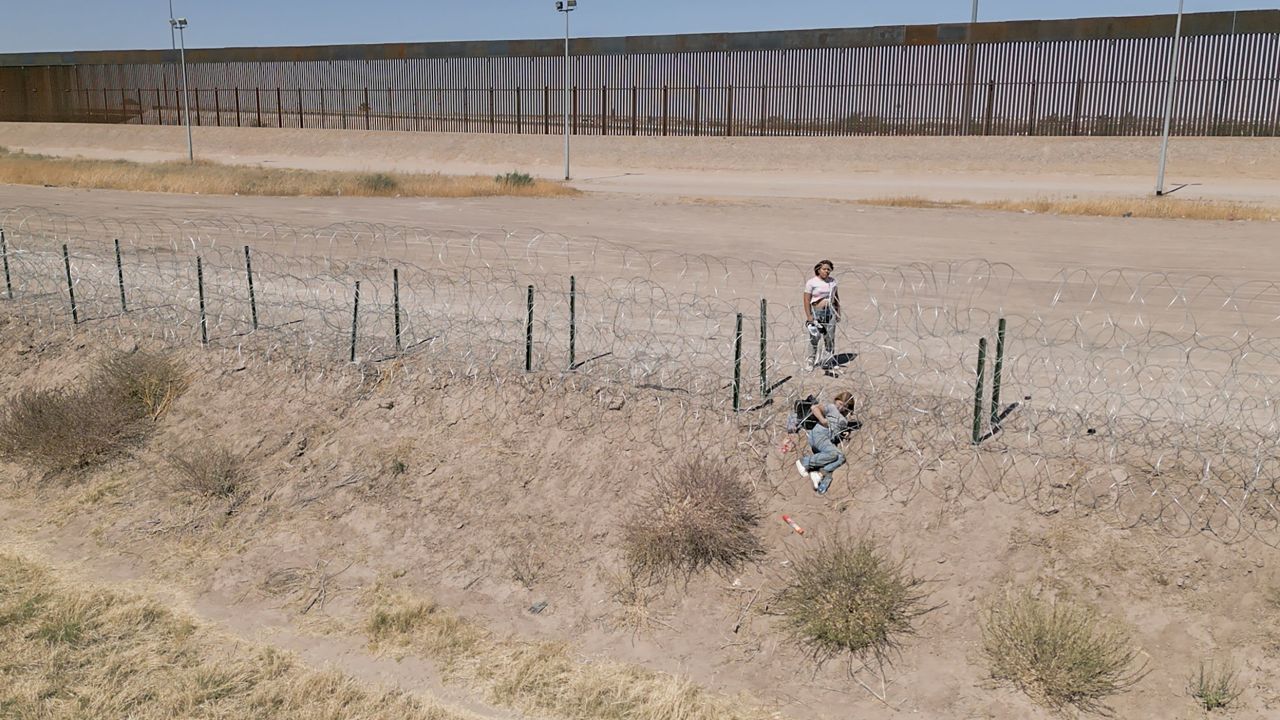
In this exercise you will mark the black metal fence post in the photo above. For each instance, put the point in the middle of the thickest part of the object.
(124, 306)
(253, 300)
(204, 323)
(4, 252)
(528, 333)
(977, 391)
(573, 320)
(355, 320)
(71, 288)
(995, 376)
(395, 295)
(737, 365)
(764, 349)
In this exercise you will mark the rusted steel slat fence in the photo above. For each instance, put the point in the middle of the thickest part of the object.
(1092, 76)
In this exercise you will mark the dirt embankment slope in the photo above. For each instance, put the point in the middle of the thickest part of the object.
(497, 498)
(976, 168)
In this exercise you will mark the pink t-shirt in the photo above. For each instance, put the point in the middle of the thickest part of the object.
(819, 289)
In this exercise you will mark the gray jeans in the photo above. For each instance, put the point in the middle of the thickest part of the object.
(825, 317)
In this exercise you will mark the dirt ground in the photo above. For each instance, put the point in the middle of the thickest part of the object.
(974, 168)
(569, 470)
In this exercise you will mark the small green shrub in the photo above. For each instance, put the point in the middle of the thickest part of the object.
(378, 183)
(848, 596)
(1059, 653)
(1214, 688)
(514, 179)
(701, 514)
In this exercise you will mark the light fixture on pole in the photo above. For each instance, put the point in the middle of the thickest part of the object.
(566, 7)
(180, 24)
(1168, 102)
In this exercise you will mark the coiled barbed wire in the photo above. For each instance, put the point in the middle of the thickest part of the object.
(1147, 398)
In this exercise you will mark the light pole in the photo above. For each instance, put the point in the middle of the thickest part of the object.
(970, 71)
(173, 40)
(180, 24)
(566, 7)
(1168, 102)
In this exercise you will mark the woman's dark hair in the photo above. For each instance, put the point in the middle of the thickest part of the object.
(828, 263)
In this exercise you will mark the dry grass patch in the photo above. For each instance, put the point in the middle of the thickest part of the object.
(543, 678)
(74, 428)
(701, 514)
(1059, 653)
(75, 653)
(1215, 687)
(1151, 207)
(849, 597)
(213, 179)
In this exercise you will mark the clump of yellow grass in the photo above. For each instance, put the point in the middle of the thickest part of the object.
(78, 652)
(543, 678)
(1152, 207)
(210, 178)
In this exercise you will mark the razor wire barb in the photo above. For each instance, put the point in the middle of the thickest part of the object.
(1145, 398)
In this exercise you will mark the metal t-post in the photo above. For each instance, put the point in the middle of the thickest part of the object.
(1168, 102)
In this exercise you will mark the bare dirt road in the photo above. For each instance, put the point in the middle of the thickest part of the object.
(972, 168)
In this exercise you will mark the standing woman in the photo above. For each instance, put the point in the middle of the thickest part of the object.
(821, 311)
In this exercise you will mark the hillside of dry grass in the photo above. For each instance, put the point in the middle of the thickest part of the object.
(481, 527)
(207, 178)
(78, 651)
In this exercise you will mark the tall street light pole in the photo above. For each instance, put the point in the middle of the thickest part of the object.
(180, 24)
(173, 40)
(566, 7)
(970, 71)
(1168, 102)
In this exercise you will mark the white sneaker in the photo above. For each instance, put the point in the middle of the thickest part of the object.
(816, 478)
(800, 468)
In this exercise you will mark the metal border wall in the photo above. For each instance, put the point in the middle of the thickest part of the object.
(1092, 76)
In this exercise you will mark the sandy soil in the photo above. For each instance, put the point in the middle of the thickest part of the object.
(1246, 169)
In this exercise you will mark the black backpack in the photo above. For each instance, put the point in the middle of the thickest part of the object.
(804, 412)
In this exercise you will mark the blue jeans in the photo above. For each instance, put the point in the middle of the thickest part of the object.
(826, 457)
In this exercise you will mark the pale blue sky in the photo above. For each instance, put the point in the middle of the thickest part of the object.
(36, 25)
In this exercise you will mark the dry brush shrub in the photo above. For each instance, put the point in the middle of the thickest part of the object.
(701, 514)
(72, 652)
(1215, 687)
(211, 472)
(74, 428)
(150, 380)
(849, 597)
(1059, 653)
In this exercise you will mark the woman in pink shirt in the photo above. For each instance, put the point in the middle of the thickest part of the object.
(821, 311)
